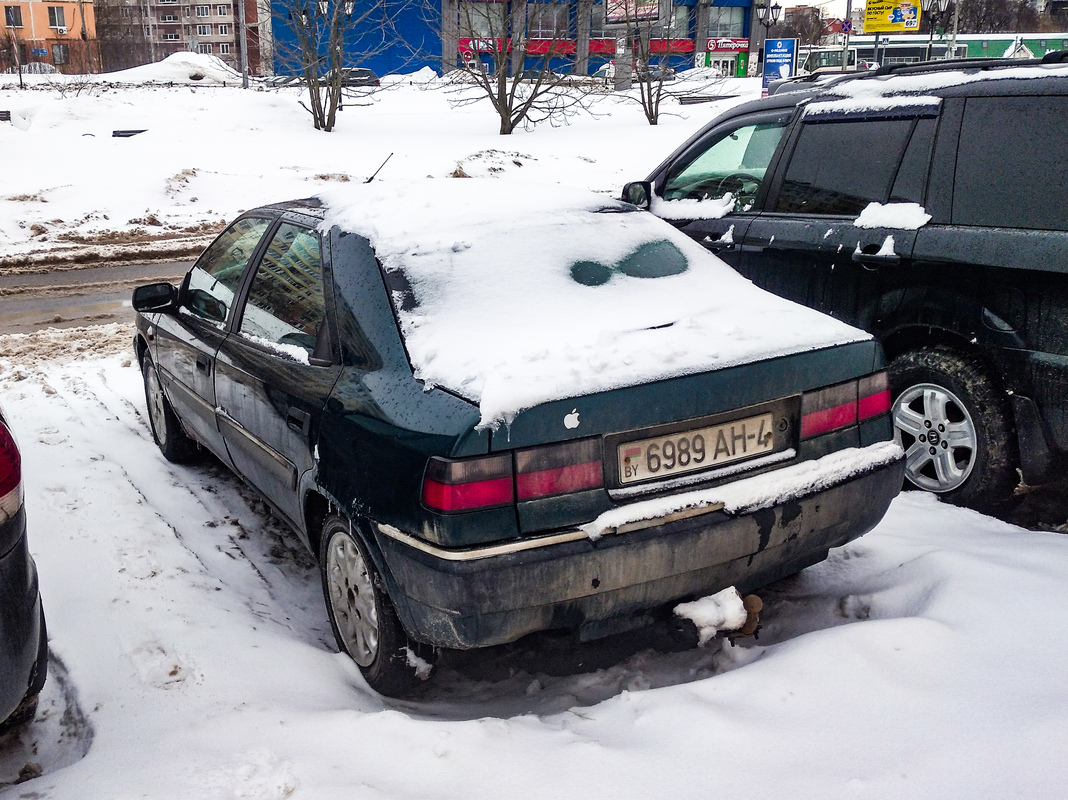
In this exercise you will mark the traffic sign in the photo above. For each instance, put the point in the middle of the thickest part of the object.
(847, 26)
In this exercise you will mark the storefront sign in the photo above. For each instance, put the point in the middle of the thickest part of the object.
(727, 45)
(894, 16)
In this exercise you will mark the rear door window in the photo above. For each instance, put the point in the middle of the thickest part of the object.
(1011, 170)
(838, 167)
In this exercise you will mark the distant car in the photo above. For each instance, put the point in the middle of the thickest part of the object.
(926, 204)
(359, 76)
(492, 409)
(23, 642)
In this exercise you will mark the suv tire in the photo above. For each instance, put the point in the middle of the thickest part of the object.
(955, 426)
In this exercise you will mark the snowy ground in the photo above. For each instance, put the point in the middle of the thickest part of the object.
(191, 654)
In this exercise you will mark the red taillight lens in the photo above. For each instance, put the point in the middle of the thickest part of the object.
(10, 474)
(828, 409)
(558, 469)
(844, 404)
(873, 396)
(468, 484)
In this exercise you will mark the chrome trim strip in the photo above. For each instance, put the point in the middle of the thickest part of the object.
(506, 548)
(289, 469)
(171, 383)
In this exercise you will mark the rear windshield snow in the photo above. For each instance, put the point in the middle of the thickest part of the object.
(512, 295)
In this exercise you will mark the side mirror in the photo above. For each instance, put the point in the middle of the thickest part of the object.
(160, 297)
(638, 193)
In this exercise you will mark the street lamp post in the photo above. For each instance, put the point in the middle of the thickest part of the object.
(767, 17)
(928, 6)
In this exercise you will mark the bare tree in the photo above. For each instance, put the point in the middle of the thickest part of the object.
(120, 31)
(327, 34)
(651, 40)
(999, 16)
(510, 49)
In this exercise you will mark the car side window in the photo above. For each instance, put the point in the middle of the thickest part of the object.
(732, 160)
(838, 167)
(1008, 173)
(285, 305)
(213, 280)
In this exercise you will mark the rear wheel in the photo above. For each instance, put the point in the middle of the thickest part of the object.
(167, 431)
(362, 616)
(22, 715)
(955, 426)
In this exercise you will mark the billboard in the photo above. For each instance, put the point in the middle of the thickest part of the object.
(891, 16)
(780, 60)
(618, 12)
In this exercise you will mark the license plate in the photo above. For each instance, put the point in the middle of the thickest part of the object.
(690, 451)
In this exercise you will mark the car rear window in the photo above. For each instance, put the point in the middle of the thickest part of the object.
(1011, 170)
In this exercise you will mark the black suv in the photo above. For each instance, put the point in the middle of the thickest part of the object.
(927, 204)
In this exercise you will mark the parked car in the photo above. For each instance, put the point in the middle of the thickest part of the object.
(350, 76)
(492, 409)
(23, 642)
(927, 205)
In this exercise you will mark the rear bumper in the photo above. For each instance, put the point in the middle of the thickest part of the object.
(493, 595)
(21, 623)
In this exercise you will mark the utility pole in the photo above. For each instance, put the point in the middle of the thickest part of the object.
(953, 40)
(244, 42)
(845, 46)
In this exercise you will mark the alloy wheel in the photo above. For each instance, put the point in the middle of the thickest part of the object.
(937, 433)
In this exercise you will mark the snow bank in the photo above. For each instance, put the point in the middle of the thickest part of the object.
(522, 294)
(197, 68)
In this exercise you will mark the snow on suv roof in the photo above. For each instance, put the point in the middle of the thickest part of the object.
(512, 294)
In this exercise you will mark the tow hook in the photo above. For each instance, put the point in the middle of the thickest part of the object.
(753, 605)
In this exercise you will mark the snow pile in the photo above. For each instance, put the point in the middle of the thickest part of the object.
(199, 68)
(722, 611)
(522, 294)
(693, 208)
(902, 216)
(752, 494)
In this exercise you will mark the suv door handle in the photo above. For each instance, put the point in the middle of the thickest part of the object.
(203, 363)
(298, 420)
(876, 260)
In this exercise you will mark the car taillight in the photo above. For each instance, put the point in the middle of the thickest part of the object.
(10, 475)
(558, 469)
(835, 407)
(468, 484)
(873, 396)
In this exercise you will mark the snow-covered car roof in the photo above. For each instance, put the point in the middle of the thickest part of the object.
(512, 295)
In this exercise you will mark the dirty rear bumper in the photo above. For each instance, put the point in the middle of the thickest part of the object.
(454, 600)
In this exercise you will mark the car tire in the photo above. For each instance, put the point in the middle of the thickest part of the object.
(955, 425)
(22, 715)
(167, 431)
(362, 616)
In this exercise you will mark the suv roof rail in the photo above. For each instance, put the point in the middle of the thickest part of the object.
(963, 63)
(1055, 57)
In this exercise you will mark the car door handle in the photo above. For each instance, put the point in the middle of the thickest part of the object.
(298, 420)
(204, 363)
(876, 260)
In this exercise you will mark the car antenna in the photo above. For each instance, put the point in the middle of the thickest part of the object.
(379, 169)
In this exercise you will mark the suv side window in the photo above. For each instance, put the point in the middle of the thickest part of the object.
(1008, 172)
(285, 304)
(838, 167)
(213, 280)
(731, 160)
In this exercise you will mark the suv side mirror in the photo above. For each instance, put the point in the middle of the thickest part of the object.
(159, 297)
(638, 193)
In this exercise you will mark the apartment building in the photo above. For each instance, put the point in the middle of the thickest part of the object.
(52, 34)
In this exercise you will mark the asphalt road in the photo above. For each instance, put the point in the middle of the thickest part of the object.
(76, 297)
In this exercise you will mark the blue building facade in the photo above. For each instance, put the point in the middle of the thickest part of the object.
(402, 36)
